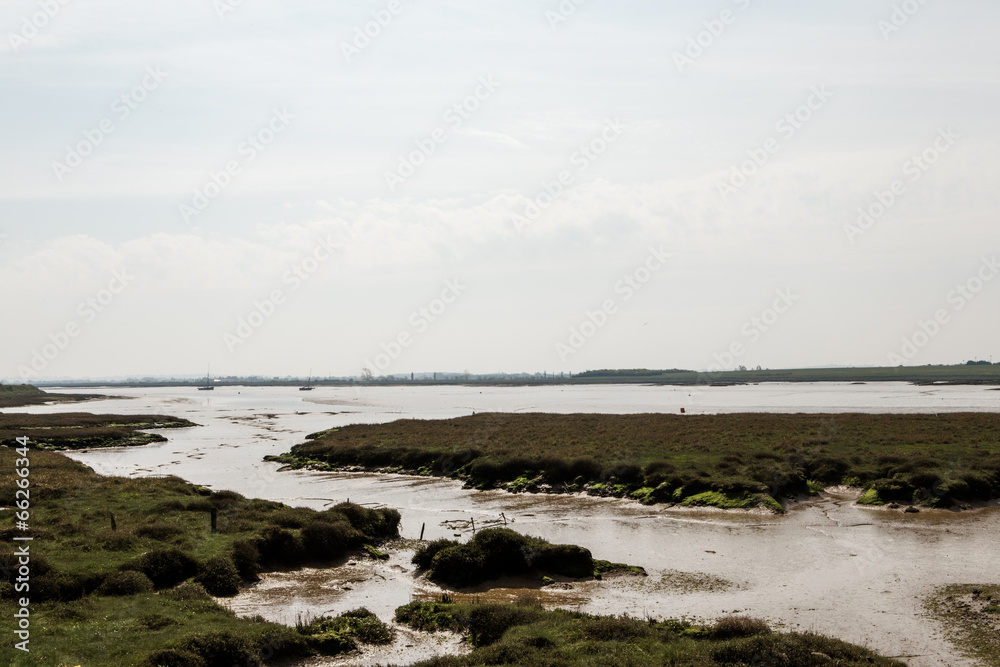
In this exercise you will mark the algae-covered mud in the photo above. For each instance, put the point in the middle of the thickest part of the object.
(827, 565)
(971, 614)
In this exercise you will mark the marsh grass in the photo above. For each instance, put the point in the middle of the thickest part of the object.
(125, 630)
(82, 567)
(79, 430)
(729, 461)
(517, 635)
(21, 395)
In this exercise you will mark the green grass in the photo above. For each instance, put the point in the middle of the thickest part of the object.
(124, 630)
(80, 430)
(87, 526)
(91, 580)
(21, 395)
(524, 635)
(127, 631)
(738, 459)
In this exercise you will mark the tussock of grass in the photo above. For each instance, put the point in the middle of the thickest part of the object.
(528, 636)
(497, 552)
(333, 635)
(871, 498)
(738, 460)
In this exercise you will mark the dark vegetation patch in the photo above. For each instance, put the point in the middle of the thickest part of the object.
(496, 552)
(78, 430)
(729, 461)
(529, 636)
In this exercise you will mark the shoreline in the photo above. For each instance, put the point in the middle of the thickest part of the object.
(788, 504)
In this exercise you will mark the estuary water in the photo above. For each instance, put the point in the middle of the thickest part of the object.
(827, 565)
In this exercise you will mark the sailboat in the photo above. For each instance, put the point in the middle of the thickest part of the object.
(308, 386)
(208, 381)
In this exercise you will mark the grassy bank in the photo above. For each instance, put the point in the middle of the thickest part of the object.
(108, 552)
(971, 615)
(80, 430)
(179, 627)
(736, 460)
(526, 635)
(498, 552)
(22, 395)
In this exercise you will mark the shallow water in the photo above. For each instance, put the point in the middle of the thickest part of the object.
(827, 566)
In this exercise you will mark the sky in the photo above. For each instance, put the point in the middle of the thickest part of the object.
(499, 186)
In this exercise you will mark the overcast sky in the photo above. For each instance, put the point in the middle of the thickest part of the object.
(265, 187)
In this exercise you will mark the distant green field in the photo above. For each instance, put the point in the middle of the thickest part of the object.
(729, 460)
(963, 374)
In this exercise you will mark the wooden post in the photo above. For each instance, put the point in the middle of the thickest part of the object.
(473, 525)
(114, 526)
(504, 518)
(422, 526)
(215, 516)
